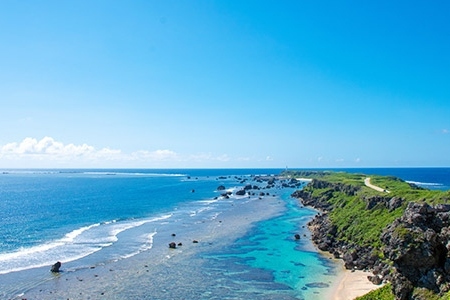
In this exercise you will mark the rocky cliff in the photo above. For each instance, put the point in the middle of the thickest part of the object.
(412, 252)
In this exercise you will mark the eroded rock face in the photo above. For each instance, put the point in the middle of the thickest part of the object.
(418, 244)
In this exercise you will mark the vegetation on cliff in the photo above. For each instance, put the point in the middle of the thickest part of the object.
(383, 230)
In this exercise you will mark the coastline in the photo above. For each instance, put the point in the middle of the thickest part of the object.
(164, 273)
(352, 284)
(198, 269)
(348, 284)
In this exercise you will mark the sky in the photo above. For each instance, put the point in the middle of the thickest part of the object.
(224, 84)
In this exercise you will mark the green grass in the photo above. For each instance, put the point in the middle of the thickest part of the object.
(383, 293)
(355, 223)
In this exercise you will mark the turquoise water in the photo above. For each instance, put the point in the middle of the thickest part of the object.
(271, 246)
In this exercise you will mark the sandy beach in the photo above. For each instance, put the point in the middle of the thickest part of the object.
(352, 284)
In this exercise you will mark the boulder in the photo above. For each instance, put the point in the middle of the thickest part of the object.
(375, 279)
(55, 268)
(172, 245)
(241, 192)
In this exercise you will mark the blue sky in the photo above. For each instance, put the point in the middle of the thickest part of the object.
(169, 84)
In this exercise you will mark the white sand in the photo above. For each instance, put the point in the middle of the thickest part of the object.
(353, 284)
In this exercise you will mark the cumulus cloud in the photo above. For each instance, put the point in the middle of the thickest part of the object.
(47, 151)
(48, 148)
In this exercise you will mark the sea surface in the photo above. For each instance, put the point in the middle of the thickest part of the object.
(97, 222)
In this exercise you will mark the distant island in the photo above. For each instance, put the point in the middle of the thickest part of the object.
(397, 230)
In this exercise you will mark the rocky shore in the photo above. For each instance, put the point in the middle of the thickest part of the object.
(412, 253)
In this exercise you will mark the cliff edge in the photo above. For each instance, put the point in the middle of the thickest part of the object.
(402, 237)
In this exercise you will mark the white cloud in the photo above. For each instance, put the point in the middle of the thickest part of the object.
(445, 131)
(49, 149)
(49, 152)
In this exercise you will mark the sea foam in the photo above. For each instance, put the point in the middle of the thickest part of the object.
(75, 245)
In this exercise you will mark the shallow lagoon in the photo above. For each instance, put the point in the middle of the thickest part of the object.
(246, 249)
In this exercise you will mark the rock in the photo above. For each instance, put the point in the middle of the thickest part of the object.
(395, 203)
(401, 287)
(195, 241)
(221, 188)
(55, 268)
(417, 244)
(375, 279)
(297, 236)
(241, 192)
(172, 245)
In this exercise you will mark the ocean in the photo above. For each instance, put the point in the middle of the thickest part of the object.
(111, 230)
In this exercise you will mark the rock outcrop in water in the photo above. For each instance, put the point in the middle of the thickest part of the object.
(55, 268)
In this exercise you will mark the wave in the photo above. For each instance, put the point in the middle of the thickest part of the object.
(75, 245)
(147, 245)
(424, 183)
(133, 174)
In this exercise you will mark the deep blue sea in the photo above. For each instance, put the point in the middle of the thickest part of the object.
(95, 217)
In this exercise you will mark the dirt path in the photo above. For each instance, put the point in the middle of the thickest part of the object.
(376, 188)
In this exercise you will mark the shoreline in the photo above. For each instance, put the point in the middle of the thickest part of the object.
(348, 284)
(168, 273)
(130, 277)
(161, 272)
(352, 284)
